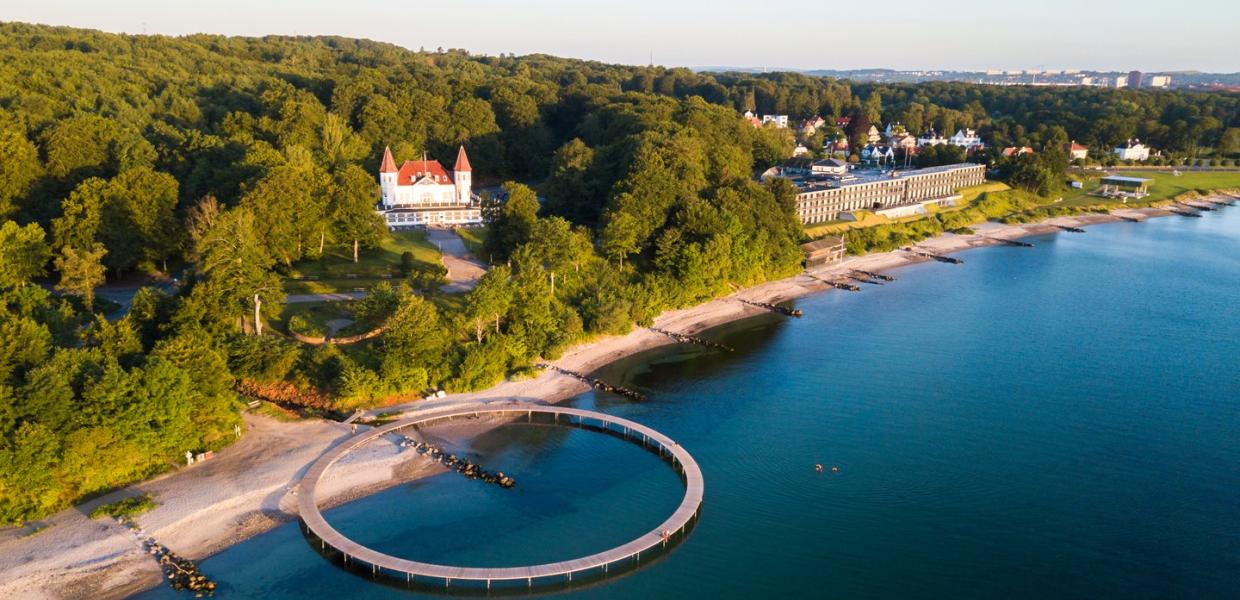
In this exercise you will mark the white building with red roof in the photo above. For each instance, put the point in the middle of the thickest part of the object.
(421, 193)
(1076, 151)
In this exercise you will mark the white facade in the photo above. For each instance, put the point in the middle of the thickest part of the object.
(1133, 150)
(829, 167)
(1160, 81)
(931, 138)
(1076, 151)
(422, 193)
(779, 120)
(966, 138)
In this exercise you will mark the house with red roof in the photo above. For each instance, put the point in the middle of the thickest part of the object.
(1076, 150)
(421, 193)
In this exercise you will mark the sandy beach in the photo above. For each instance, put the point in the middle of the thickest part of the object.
(249, 487)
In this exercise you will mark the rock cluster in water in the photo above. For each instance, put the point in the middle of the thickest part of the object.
(775, 308)
(597, 383)
(182, 574)
(452, 462)
(689, 339)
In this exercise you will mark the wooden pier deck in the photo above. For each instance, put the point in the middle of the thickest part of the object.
(556, 572)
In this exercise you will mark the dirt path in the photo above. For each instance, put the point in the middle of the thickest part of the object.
(463, 269)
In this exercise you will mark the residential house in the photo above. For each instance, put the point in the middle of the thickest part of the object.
(931, 138)
(780, 121)
(878, 154)
(1076, 151)
(1133, 149)
(838, 147)
(966, 138)
(829, 167)
(1017, 151)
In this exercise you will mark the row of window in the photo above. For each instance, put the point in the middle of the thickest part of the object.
(826, 205)
(435, 217)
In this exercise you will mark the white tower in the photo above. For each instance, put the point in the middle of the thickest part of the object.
(387, 178)
(461, 176)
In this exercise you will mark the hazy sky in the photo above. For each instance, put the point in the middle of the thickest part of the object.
(903, 34)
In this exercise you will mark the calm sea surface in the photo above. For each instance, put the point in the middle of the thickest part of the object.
(1061, 421)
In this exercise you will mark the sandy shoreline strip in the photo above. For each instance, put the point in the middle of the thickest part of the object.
(248, 488)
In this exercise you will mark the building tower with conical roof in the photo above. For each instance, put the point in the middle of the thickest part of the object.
(461, 176)
(421, 193)
(387, 177)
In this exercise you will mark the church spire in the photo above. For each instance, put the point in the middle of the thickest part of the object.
(462, 161)
(389, 165)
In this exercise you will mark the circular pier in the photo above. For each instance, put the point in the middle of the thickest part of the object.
(625, 555)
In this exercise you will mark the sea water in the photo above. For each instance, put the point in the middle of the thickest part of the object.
(1058, 421)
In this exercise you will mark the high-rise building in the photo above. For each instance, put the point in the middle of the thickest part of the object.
(1134, 79)
(1160, 81)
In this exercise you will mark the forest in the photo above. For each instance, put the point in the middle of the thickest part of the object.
(223, 161)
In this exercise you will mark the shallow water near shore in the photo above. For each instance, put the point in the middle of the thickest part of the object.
(1056, 421)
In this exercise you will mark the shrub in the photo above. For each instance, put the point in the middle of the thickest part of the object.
(126, 508)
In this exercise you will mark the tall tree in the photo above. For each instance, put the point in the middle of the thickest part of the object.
(353, 194)
(81, 271)
(236, 268)
(510, 222)
(19, 166)
(23, 253)
(489, 300)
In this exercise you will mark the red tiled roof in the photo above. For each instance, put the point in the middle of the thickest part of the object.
(1075, 147)
(414, 170)
(389, 165)
(462, 161)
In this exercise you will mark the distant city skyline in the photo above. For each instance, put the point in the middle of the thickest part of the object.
(960, 35)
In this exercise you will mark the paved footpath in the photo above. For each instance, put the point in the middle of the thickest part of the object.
(463, 269)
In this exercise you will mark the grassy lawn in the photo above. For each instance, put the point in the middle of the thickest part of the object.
(972, 192)
(473, 237)
(336, 271)
(1165, 186)
(310, 318)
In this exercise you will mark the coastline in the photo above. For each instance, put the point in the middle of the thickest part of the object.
(249, 487)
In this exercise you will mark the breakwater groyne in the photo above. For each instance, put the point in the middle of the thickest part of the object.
(775, 308)
(933, 256)
(689, 339)
(1008, 242)
(454, 463)
(181, 573)
(874, 275)
(597, 384)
